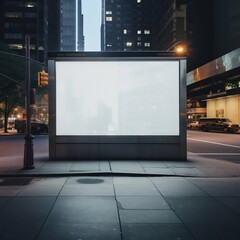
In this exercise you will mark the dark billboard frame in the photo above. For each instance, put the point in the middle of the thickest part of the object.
(117, 147)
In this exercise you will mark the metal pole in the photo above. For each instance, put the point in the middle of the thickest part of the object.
(6, 115)
(28, 147)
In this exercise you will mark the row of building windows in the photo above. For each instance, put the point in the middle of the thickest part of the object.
(16, 25)
(146, 32)
(20, 46)
(130, 44)
(18, 36)
(139, 44)
(20, 4)
(13, 35)
(127, 19)
(20, 14)
(233, 82)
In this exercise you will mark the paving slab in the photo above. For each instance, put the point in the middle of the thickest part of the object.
(142, 202)
(77, 231)
(177, 186)
(155, 231)
(202, 210)
(23, 217)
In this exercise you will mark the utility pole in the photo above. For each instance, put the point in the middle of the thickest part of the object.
(6, 115)
(28, 147)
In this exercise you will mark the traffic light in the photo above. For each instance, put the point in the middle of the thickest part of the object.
(42, 79)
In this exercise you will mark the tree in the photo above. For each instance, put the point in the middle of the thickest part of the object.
(10, 98)
(12, 80)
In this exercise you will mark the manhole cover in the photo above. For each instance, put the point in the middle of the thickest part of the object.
(90, 180)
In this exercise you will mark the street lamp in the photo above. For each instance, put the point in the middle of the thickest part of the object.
(28, 147)
(178, 47)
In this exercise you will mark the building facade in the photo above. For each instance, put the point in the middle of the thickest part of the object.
(209, 34)
(54, 38)
(19, 18)
(71, 26)
(169, 23)
(214, 89)
(227, 28)
(126, 25)
(80, 36)
(213, 59)
(200, 32)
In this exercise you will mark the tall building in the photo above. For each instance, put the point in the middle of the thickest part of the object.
(54, 38)
(80, 36)
(226, 26)
(169, 23)
(209, 34)
(200, 32)
(213, 80)
(71, 25)
(199, 25)
(126, 25)
(18, 18)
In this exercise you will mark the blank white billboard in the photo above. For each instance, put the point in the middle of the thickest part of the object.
(117, 98)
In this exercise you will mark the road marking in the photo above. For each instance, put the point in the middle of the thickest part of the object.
(215, 154)
(191, 153)
(216, 143)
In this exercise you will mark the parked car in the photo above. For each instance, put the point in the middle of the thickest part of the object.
(217, 124)
(36, 127)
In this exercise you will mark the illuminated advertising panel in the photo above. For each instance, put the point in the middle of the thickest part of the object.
(118, 98)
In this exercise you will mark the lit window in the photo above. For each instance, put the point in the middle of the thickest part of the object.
(147, 44)
(109, 19)
(128, 44)
(139, 32)
(15, 46)
(139, 44)
(108, 12)
(138, 1)
(13, 14)
(30, 4)
(146, 31)
(125, 31)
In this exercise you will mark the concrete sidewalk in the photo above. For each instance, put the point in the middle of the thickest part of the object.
(195, 166)
(120, 208)
(194, 200)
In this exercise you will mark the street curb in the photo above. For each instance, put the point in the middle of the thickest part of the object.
(106, 173)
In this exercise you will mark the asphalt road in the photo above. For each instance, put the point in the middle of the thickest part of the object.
(223, 146)
(14, 145)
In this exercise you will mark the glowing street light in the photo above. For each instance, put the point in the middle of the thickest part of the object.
(179, 48)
